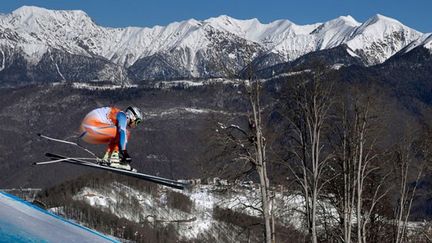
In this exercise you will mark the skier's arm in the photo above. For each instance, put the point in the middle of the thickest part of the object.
(121, 126)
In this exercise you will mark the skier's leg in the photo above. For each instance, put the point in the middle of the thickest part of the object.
(113, 149)
(95, 132)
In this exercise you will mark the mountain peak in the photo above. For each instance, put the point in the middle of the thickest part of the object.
(224, 17)
(349, 19)
(341, 21)
(30, 9)
(378, 29)
(378, 18)
(248, 29)
(230, 21)
(380, 25)
(28, 12)
(191, 21)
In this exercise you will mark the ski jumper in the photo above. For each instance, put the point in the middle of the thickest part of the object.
(106, 125)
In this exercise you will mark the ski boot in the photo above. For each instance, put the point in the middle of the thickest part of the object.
(105, 159)
(116, 162)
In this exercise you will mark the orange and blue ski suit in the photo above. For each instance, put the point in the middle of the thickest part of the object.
(106, 125)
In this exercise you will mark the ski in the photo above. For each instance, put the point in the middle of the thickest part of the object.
(66, 142)
(151, 178)
(61, 160)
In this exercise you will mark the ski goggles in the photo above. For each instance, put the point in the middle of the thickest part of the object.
(137, 121)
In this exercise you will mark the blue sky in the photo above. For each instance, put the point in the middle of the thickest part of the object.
(416, 14)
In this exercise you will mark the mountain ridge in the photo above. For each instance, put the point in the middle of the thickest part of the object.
(216, 47)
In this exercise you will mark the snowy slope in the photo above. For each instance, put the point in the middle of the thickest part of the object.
(75, 32)
(377, 39)
(380, 37)
(39, 28)
(200, 221)
(425, 41)
(22, 222)
(154, 208)
(285, 37)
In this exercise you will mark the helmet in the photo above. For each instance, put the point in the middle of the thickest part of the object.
(134, 113)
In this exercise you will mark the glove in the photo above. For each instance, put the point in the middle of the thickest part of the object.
(124, 157)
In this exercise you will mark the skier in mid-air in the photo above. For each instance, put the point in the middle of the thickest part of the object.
(108, 125)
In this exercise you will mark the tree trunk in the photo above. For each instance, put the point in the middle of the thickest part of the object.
(261, 166)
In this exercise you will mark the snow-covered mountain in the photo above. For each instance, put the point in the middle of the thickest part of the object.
(380, 37)
(288, 39)
(69, 45)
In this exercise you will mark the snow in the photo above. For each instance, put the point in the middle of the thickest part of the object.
(36, 30)
(337, 31)
(3, 60)
(424, 40)
(337, 66)
(380, 37)
(351, 52)
(34, 52)
(178, 83)
(196, 111)
(242, 198)
(89, 86)
(283, 75)
(95, 199)
(183, 111)
(250, 29)
(21, 221)
(190, 83)
(428, 42)
(287, 38)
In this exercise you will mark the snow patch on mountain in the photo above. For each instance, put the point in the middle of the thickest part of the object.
(184, 111)
(190, 84)
(425, 41)
(3, 60)
(90, 86)
(335, 32)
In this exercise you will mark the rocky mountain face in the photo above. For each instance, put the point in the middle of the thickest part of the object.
(40, 45)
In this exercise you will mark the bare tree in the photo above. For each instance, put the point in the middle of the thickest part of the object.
(261, 160)
(411, 157)
(360, 161)
(365, 160)
(252, 145)
(308, 115)
(344, 158)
